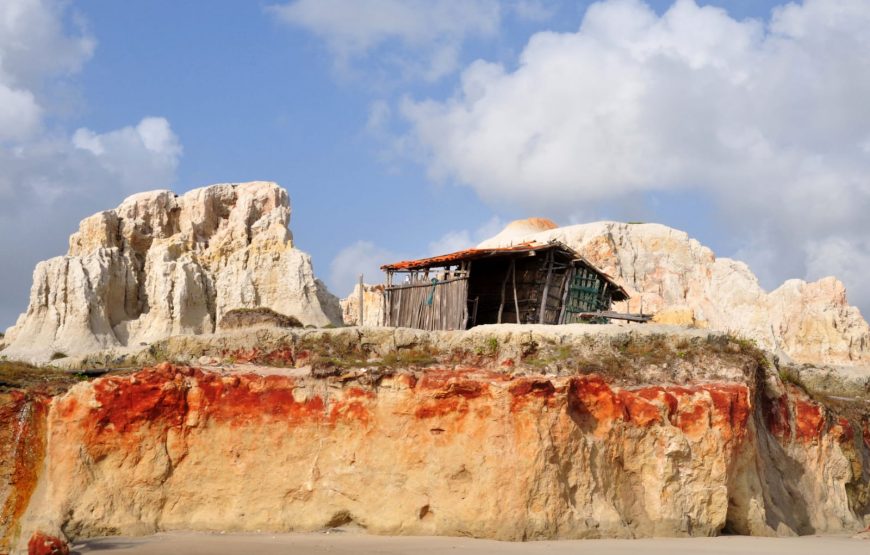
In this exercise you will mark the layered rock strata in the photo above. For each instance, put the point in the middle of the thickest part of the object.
(502, 435)
(672, 275)
(162, 264)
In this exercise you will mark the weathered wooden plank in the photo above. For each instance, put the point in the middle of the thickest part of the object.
(516, 301)
(414, 285)
(615, 315)
(549, 263)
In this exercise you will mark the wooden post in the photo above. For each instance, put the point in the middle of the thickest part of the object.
(569, 277)
(514, 278)
(361, 297)
(382, 321)
(398, 320)
(503, 286)
(546, 287)
(388, 300)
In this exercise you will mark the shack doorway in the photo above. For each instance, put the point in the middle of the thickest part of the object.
(484, 292)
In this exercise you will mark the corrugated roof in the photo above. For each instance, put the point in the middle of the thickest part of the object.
(467, 254)
(474, 254)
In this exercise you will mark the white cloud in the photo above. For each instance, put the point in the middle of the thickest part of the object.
(533, 10)
(770, 119)
(430, 31)
(50, 179)
(365, 257)
(20, 115)
(34, 44)
(362, 257)
(457, 240)
(33, 49)
(451, 241)
(847, 258)
(380, 114)
(48, 185)
(137, 156)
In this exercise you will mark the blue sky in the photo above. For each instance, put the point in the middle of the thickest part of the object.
(363, 119)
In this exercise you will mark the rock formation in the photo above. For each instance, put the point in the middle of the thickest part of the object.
(161, 264)
(508, 433)
(373, 306)
(683, 282)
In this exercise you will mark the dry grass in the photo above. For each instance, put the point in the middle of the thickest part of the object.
(19, 375)
(625, 358)
(247, 317)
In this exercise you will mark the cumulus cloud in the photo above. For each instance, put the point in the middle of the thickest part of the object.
(366, 257)
(51, 178)
(533, 10)
(48, 185)
(430, 32)
(768, 117)
(848, 258)
(361, 257)
(148, 152)
(20, 115)
(461, 239)
(35, 43)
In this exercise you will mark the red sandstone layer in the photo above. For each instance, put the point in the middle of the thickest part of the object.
(457, 452)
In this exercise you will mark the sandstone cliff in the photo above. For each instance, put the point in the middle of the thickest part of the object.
(685, 283)
(512, 433)
(161, 264)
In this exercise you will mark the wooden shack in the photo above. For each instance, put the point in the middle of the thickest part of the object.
(530, 283)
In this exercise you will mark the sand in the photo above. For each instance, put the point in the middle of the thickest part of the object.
(340, 543)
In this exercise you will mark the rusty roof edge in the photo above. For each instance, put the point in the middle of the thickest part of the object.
(528, 246)
(418, 263)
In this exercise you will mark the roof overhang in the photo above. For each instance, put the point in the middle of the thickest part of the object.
(528, 248)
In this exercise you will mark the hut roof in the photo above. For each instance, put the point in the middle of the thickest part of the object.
(528, 248)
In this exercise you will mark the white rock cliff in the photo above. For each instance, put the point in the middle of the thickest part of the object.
(161, 264)
(683, 282)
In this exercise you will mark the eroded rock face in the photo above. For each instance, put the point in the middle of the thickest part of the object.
(676, 276)
(22, 433)
(374, 306)
(162, 264)
(456, 453)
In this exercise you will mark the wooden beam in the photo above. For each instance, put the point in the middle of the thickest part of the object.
(615, 315)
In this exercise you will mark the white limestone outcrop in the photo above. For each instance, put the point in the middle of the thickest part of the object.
(161, 264)
(374, 307)
(683, 282)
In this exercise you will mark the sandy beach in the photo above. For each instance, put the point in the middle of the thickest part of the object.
(340, 543)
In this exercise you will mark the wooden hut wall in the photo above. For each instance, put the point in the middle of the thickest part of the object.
(427, 306)
(587, 292)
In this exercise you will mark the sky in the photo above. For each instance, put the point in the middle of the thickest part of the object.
(403, 128)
